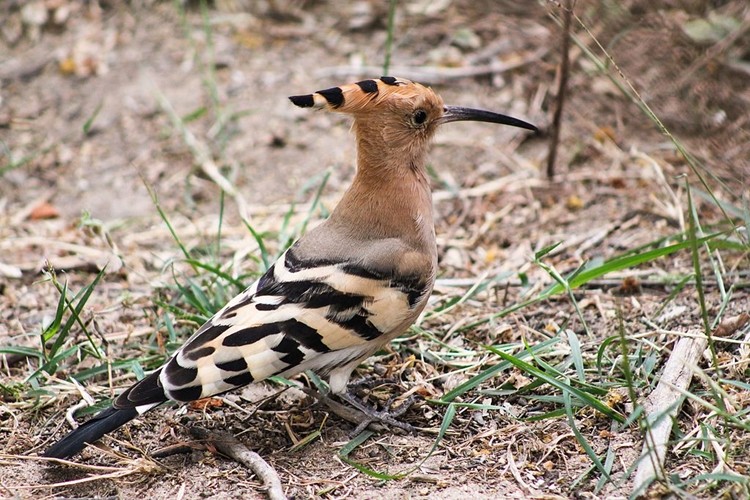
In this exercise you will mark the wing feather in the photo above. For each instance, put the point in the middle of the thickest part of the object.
(298, 315)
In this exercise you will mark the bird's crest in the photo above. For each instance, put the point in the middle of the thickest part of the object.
(365, 95)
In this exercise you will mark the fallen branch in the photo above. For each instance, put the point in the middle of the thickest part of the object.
(228, 445)
(662, 405)
(664, 402)
(175, 449)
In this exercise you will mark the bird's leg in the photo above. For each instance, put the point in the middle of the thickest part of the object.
(370, 381)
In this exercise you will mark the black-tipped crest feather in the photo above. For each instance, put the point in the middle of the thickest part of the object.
(303, 101)
(368, 86)
(334, 96)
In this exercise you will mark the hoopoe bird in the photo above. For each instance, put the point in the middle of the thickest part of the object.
(340, 292)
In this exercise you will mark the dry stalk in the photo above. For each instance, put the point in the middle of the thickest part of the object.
(561, 88)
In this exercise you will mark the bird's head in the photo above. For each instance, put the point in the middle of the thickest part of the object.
(395, 114)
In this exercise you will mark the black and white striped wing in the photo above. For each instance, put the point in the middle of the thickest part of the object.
(298, 315)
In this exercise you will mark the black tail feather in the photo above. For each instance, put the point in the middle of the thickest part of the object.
(89, 432)
(144, 395)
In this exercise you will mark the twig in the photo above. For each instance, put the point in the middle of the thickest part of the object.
(527, 490)
(84, 257)
(74, 482)
(561, 88)
(429, 74)
(8, 271)
(175, 449)
(228, 445)
(661, 407)
(389, 39)
(71, 411)
(27, 65)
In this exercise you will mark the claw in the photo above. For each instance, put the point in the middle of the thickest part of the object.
(388, 416)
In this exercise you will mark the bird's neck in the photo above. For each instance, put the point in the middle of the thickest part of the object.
(389, 198)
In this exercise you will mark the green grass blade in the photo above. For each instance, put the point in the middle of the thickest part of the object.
(123, 364)
(51, 365)
(22, 351)
(450, 414)
(698, 273)
(81, 299)
(217, 272)
(221, 223)
(389, 36)
(305, 441)
(624, 261)
(577, 355)
(562, 386)
(194, 115)
(54, 327)
(167, 222)
(314, 204)
(581, 439)
(90, 122)
(620, 263)
(609, 462)
(494, 370)
(265, 257)
(354, 442)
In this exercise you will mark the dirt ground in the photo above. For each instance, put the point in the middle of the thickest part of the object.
(101, 101)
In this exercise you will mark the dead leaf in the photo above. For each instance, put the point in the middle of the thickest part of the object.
(67, 66)
(44, 210)
(731, 325)
(574, 202)
(604, 133)
(205, 403)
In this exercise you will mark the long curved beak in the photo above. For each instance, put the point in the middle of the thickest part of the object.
(458, 113)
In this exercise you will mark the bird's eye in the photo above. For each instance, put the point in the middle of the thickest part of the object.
(419, 117)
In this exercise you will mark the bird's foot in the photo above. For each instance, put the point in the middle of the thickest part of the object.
(387, 416)
(363, 414)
